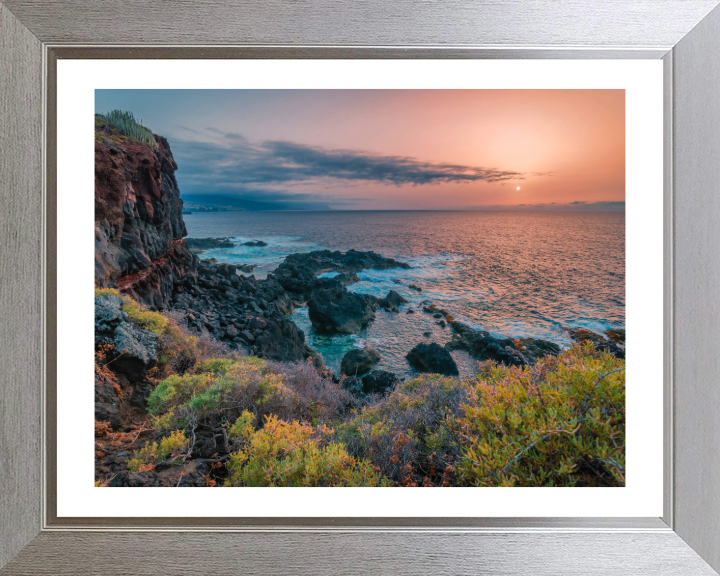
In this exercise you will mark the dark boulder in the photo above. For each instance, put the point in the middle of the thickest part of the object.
(353, 385)
(336, 311)
(432, 358)
(378, 381)
(283, 341)
(358, 361)
(247, 337)
(258, 243)
(108, 313)
(134, 349)
(375, 382)
(392, 300)
(298, 273)
(482, 346)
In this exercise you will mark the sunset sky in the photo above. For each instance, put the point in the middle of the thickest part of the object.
(390, 149)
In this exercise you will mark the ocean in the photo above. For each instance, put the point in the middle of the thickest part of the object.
(514, 274)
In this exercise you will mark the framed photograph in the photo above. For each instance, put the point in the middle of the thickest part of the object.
(309, 270)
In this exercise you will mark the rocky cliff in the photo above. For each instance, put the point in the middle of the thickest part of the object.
(138, 218)
(139, 249)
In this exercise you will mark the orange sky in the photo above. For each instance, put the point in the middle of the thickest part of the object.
(578, 136)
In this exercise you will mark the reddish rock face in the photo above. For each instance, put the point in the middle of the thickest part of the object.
(153, 286)
(138, 220)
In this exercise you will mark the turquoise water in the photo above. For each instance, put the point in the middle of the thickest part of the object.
(515, 274)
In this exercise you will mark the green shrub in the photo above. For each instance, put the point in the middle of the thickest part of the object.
(128, 125)
(172, 445)
(561, 423)
(286, 454)
(143, 458)
(220, 365)
(171, 448)
(406, 435)
(220, 392)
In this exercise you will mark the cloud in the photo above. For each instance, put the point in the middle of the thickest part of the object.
(236, 162)
(304, 162)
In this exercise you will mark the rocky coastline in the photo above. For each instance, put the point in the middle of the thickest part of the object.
(141, 253)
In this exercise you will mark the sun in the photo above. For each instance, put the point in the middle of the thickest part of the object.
(518, 188)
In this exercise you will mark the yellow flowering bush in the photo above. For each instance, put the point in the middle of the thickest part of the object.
(560, 423)
(287, 454)
(171, 448)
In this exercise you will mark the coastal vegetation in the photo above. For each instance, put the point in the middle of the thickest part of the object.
(559, 422)
(122, 126)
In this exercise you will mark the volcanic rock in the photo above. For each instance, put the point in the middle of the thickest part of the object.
(432, 358)
(334, 310)
(199, 245)
(358, 361)
(378, 381)
(482, 346)
(134, 349)
(283, 341)
(392, 300)
(298, 273)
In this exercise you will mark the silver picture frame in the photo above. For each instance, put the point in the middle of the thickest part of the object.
(685, 34)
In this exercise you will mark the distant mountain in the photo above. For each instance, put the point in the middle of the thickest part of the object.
(607, 206)
(211, 200)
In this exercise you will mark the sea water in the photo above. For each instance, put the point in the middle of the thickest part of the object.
(514, 274)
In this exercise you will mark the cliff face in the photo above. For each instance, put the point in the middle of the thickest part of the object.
(138, 219)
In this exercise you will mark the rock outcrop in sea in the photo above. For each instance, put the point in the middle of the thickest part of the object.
(482, 346)
(432, 358)
(199, 245)
(332, 308)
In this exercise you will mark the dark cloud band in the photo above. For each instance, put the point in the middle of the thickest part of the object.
(237, 162)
